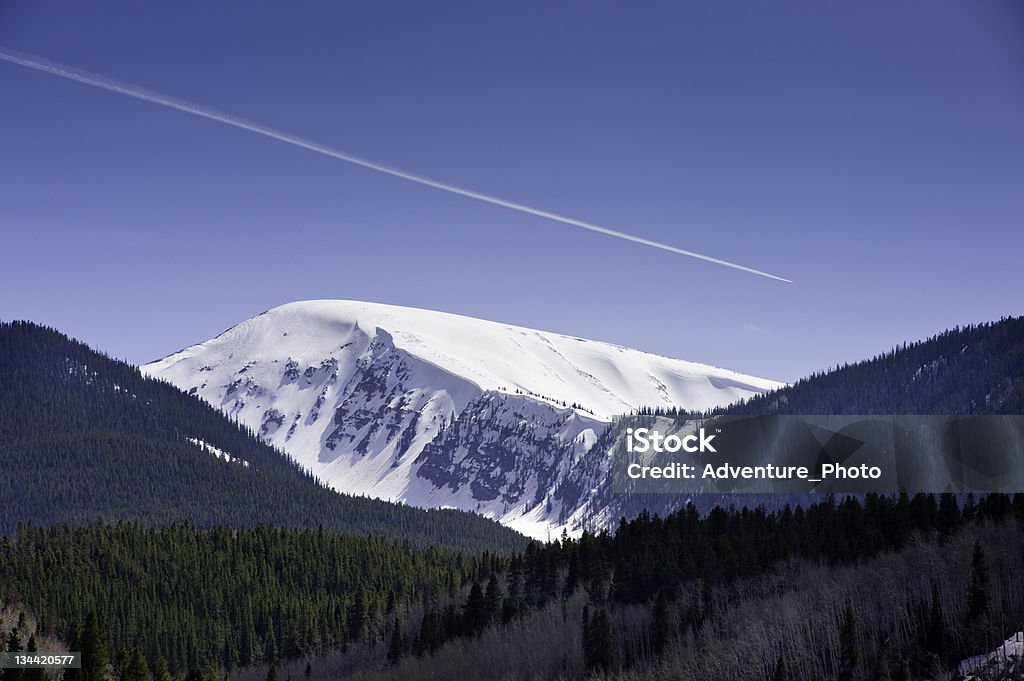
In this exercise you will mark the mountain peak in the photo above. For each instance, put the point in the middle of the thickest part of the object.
(368, 397)
(603, 378)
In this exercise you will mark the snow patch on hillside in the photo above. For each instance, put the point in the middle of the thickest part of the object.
(997, 663)
(216, 451)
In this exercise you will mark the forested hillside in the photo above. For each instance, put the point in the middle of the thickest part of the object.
(83, 437)
(658, 591)
(970, 370)
(225, 597)
(906, 614)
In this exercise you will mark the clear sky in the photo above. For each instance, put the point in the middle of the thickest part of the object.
(871, 151)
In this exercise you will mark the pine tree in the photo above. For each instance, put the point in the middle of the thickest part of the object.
(949, 513)
(292, 647)
(397, 645)
(977, 592)
(572, 578)
(358, 616)
(936, 630)
(95, 650)
(475, 610)
(272, 673)
(13, 646)
(848, 647)
(74, 643)
(513, 602)
(38, 674)
(586, 635)
(136, 668)
(597, 640)
(162, 672)
(492, 599)
(659, 624)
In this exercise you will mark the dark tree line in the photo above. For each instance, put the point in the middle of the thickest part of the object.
(220, 597)
(230, 598)
(876, 590)
(651, 562)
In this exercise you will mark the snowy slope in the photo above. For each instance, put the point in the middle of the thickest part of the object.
(357, 391)
(1005, 662)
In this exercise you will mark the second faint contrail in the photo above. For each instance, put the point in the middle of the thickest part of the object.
(105, 83)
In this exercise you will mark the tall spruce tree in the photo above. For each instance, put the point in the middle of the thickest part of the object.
(162, 671)
(597, 640)
(397, 646)
(977, 591)
(38, 673)
(95, 650)
(74, 638)
(13, 646)
(936, 628)
(492, 599)
(475, 610)
(849, 652)
(659, 624)
(136, 668)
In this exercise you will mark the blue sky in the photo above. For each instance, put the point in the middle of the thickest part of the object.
(873, 152)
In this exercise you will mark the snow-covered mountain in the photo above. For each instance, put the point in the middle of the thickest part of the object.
(437, 409)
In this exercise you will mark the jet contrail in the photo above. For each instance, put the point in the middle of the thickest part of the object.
(105, 83)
